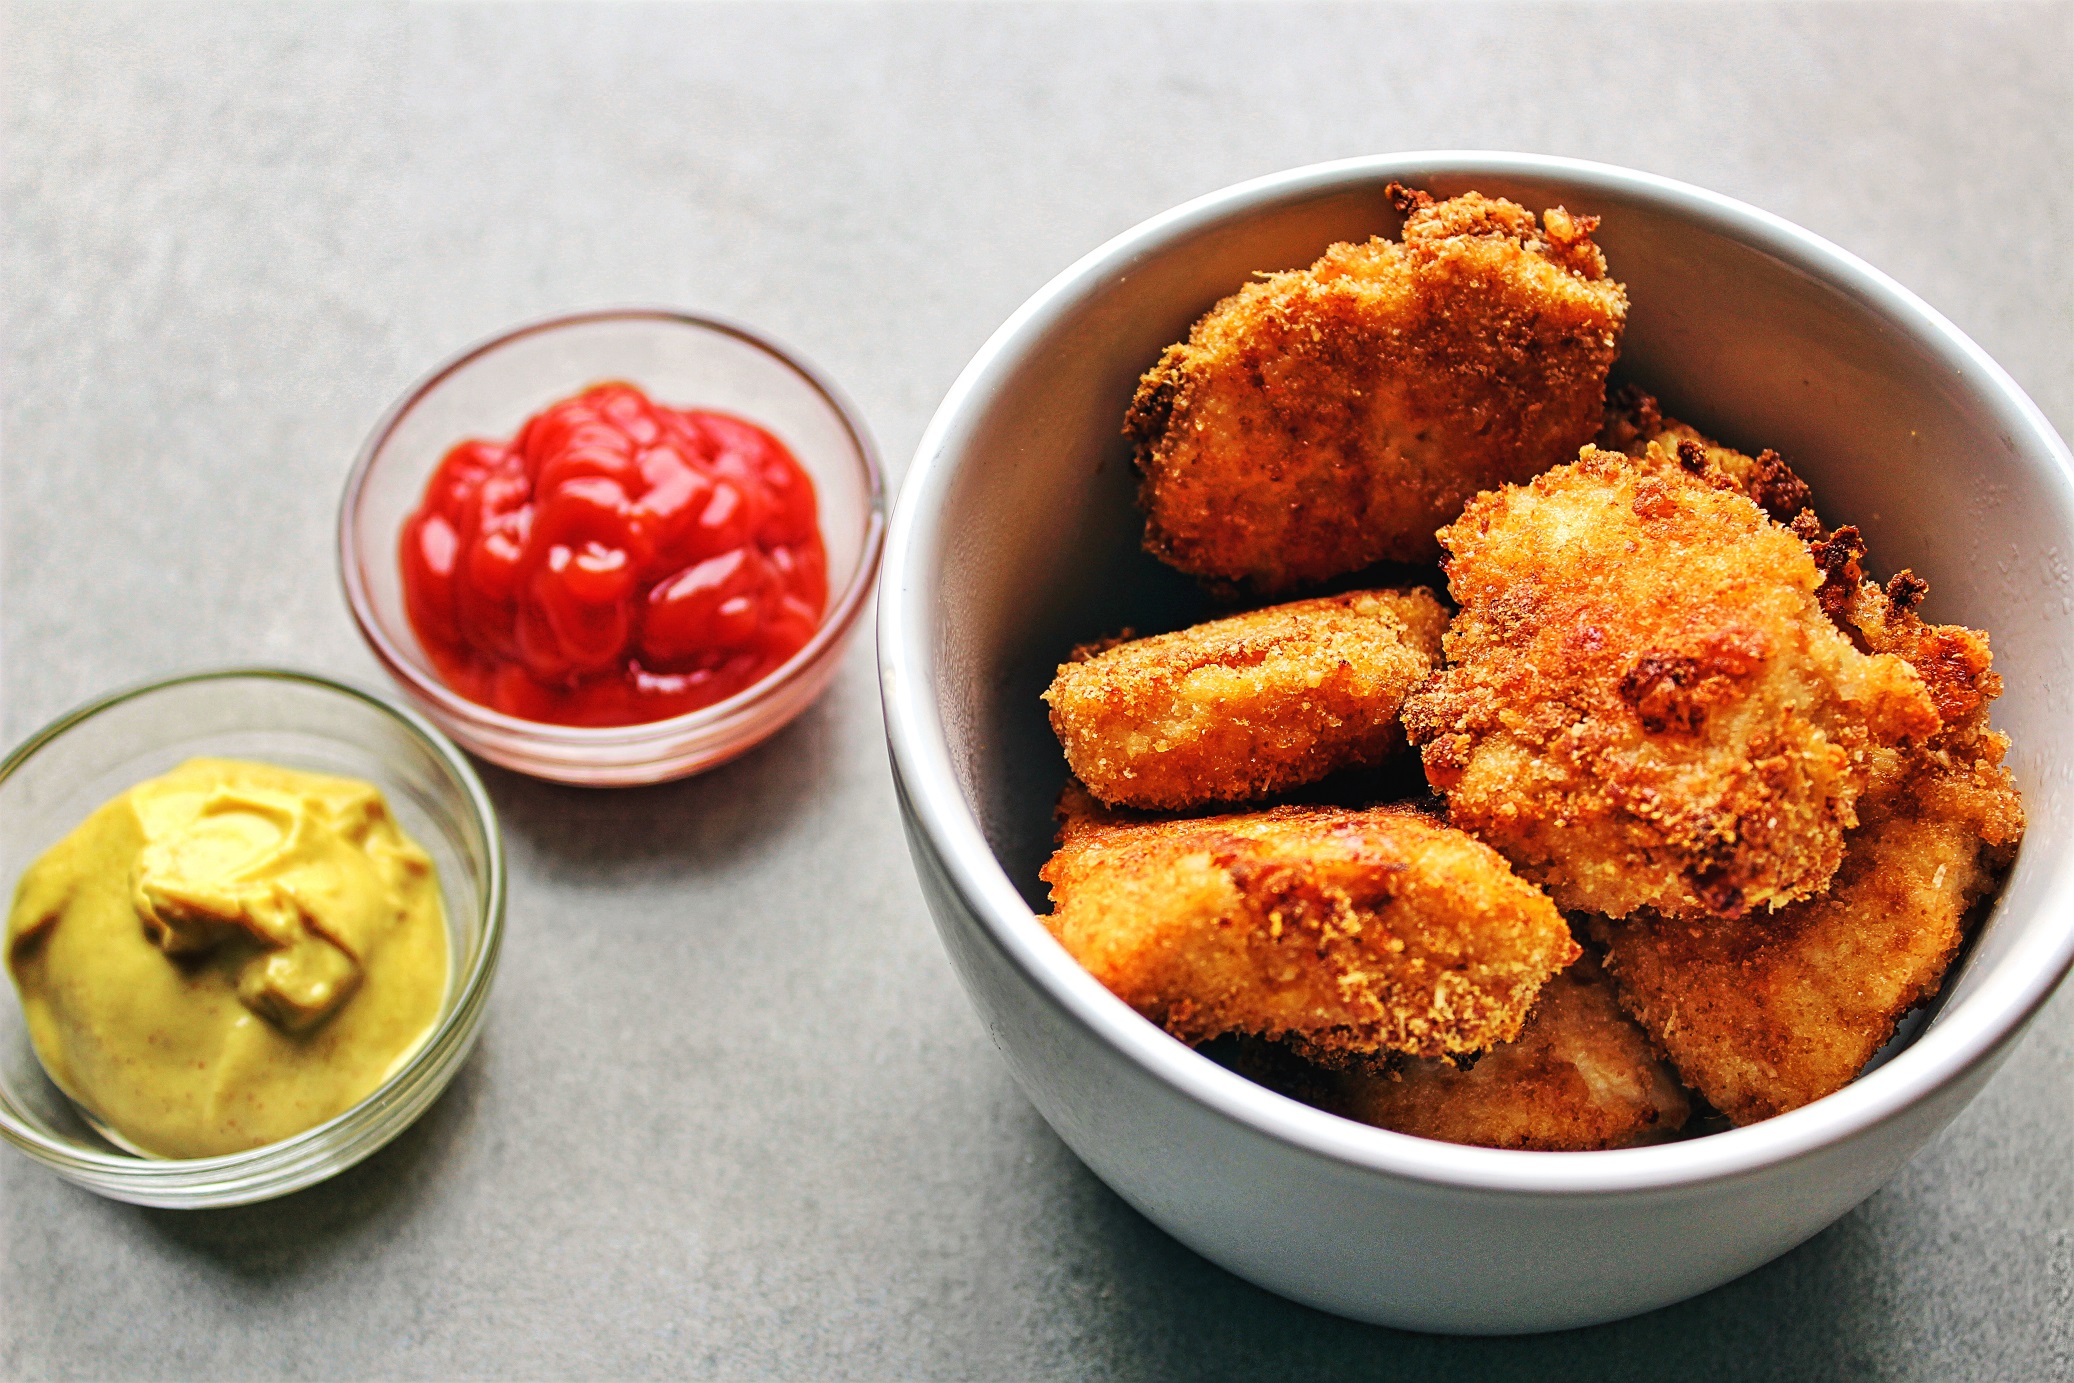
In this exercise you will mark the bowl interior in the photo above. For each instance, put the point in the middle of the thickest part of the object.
(1025, 539)
(680, 361)
(278, 719)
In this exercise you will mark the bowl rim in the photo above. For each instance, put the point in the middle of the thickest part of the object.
(458, 1020)
(834, 629)
(1967, 1034)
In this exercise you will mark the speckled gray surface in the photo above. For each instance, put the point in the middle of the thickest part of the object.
(731, 1115)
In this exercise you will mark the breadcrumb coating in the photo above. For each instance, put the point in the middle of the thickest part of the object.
(1350, 933)
(1635, 424)
(1324, 419)
(1241, 707)
(1645, 703)
(1775, 1012)
(1581, 1076)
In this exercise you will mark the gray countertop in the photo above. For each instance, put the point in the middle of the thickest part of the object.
(731, 1114)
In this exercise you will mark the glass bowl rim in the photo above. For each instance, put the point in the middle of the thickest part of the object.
(830, 636)
(466, 1006)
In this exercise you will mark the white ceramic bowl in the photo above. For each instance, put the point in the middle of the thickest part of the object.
(1015, 535)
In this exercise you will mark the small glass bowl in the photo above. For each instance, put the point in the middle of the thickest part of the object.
(685, 361)
(60, 774)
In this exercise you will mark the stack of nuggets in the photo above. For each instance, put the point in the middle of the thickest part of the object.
(1768, 1015)
(1671, 705)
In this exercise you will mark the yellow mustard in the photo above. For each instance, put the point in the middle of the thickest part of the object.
(228, 954)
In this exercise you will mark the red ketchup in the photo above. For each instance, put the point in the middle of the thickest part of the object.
(617, 562)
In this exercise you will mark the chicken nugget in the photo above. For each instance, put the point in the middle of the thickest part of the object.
(1245, 706)
(1635, 425)
(1348, 933)
(1327, 418)
(1646, 705)
(1580, 1076)
(1769, 1014)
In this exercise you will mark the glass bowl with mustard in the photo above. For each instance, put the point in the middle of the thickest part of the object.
(254, 917)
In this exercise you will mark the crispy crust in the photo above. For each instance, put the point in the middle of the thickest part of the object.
(1327, 418)
(1767, 1016)
(1645, 704)
(1353, 932)
(1245, 706)
(1635, 425)
(1580, 1077)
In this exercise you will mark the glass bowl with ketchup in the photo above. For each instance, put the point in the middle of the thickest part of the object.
(614, 547)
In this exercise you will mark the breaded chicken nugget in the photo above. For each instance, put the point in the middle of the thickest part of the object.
(1769, 1014)
(1580, 1076)
(1241, 707)
(1635, 424)
(1645, 704)
(1348, 933)
(1327, 418)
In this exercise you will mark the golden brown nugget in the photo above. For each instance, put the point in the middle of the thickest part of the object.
(1635, 425)
(1347, 932)
(1581, 1076)
(1242, 707)
(1774, 1012)
(1327, 418)
(1645, 704)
